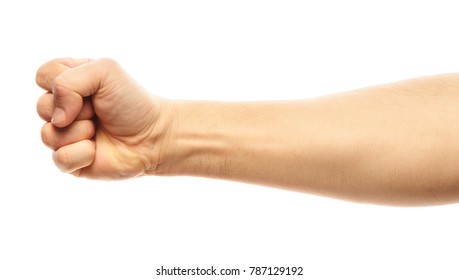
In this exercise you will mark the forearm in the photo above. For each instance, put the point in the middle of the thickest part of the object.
(394, 144)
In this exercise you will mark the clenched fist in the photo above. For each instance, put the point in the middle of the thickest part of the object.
(99, 121)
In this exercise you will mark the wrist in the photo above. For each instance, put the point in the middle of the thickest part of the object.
(159, 141)
(194, 140)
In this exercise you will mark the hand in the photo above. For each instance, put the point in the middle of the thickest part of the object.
(99, 122)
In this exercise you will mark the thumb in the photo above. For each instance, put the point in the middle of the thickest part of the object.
(71, 86)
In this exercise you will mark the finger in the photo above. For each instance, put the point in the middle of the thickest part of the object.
(45, 108)
(50, 70)
(72, 157)
(55, 137)
(71, 86)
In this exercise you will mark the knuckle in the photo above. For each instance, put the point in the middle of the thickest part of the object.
(109, 69)
(44, 106)
(42, 76)
(62, 160)
(46, 136)
(67, 61)
(109, 64)
(41, 108)
(108, 61)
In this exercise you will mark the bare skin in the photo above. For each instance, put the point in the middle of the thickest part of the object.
(395, 144)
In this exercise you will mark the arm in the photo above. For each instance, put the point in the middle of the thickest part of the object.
(392, 144)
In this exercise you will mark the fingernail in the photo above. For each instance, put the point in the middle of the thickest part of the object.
(58, 116)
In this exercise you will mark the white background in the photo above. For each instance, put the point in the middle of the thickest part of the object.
(54, 226)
